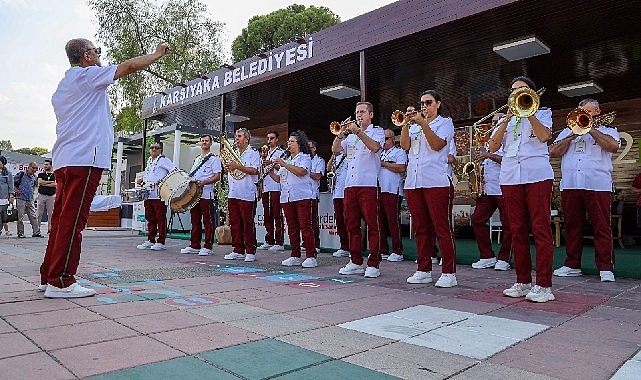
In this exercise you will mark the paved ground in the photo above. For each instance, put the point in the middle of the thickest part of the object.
(175, 316)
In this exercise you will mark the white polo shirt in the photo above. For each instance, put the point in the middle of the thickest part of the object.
(85, 127)
(244, 189)
(531, 163)
(452, 150)
(206, 171)
(491, 173)
(389, 181)
(268, 183)
(586, 165)
(292, 187)
(156, 170)
(427, 168)
(363, 165)
(340, 172)
(318, 166)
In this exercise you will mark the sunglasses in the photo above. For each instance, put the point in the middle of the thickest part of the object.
(154, 147)
(97, 50)
(425, 103)
(389, 138)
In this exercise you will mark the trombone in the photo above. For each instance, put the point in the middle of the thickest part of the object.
(581, 122)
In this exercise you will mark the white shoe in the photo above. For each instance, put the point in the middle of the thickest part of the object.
(146, 245)
(518, 290)
(502, 265)
(606, 276)
(484, 263)
(540, 294)
(372, 272)
(395, 257)
(447, 280)
(72, 291)
(317, 250)
(567, 272)
(234, 256)
(440, 262)
(42, 287)
(205, 252)
(292, 261)
(250, 257)
(264, 246)
(303, 249)
(189, 249)
(352, 268)
(310, 262)
(420, 278)
(157, 247)
(277, 247)
(341, 253)
(385, 256)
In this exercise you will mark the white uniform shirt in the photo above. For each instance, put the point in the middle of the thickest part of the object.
(427, 168)
(340, 175)
(268, 183)
(452, 151)
(491, 173)
(155, 171)
(292, 187)
(208, 170)
(85, 127)
(318, 166)
(532, 160)
(244, 189)
(363, 165)
(586, 165)
(389, 181)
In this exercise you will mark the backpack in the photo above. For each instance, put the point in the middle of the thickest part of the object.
(17, 180)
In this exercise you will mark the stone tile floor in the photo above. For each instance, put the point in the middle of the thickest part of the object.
(175, 316)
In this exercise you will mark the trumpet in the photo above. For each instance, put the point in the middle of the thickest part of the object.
(581, 122)
(338, 128)
(399, 118)
(269, 168)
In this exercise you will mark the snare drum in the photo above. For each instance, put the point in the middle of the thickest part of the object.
(138, 194)
(179, 190)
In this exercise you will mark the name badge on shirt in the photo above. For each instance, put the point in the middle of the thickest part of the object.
(579, 147)
(415, 146)
(283, 177)
(351, 150)
(512, 149)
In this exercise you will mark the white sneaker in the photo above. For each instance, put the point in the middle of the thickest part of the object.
(501, 265)
(420, 278)
(518, 290)
(157, 247)
(303, 249)
(341, 253)
(72, 291)
(250, 257)
(264, 246)
(447, 280)
(205, 252)
(234, 256)
(385, 256)
(395, 257)
(146, 245)
(484, 263)
(606, 276)
(277, 247)
(434, 261)
(310, 262)
(317, 250)
(372, 272)
(567, 272)
(189, 249)
(440, 262)
(352, 268)
(292, 261)
(42, 287)
(540, 294)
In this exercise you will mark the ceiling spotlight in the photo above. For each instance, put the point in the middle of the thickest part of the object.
(580, 89)
(521, 48)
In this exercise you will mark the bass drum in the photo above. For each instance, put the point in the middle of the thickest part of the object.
(179, 191)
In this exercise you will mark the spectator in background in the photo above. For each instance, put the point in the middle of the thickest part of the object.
(24, 185)
(6, 189)
(46, 192)
(317, 172)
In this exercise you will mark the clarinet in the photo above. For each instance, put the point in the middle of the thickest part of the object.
(271, 167)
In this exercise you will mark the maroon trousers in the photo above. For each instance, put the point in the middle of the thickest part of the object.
(202, 211)
(315, 224)
(156, 215)
(390, 205)
(273, 217)
(299, 221)
(431, 210)
(529, 204)
(361, 202)
(75, 190)
(485, 208)
(598, 206)
(243, 230)
(341, 228)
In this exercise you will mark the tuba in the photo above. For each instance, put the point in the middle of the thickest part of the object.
(227, 155)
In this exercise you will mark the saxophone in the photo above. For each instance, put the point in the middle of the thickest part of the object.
(227, 155)
(474, 169)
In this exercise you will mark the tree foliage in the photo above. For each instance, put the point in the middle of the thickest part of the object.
(6, 145)
(129, 28)
(36, 151)
(264, 33)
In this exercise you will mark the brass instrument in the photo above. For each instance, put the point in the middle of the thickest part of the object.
(331, 181)
(399, 118)
(341, 128)
(473, 169)
(264, 151)
(524, 102)
(269, 168)
(581, 122)
(227, 155)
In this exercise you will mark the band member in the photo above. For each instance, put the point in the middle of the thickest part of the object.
(158, 166)
(586, 185)
(428, 188)
(273, 214)
(526, 183)
(206, 171)
(337, 165)
(318, 171)
(486, 205)
(46, 193)
(297, 198)
(363, 148)
(390, 181)
(242, 198)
